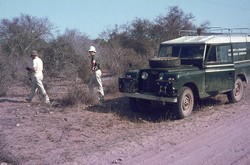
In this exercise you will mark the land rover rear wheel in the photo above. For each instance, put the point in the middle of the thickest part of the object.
(164, 62)
(185, 103)
(236, 94)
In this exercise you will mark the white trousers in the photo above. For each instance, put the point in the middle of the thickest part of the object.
(37, 84)
(96, 78)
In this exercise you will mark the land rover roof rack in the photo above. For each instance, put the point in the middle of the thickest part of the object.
(215, 31)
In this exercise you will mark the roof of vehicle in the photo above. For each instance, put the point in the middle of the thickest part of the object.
(230, 36)
(213, 39)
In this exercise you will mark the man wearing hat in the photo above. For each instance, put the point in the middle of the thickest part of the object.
(96, 73)
(37, 77)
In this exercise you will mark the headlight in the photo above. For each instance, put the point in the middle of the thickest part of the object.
(144, 75)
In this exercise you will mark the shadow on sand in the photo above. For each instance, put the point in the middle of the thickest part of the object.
(10, 100)
(154, 113)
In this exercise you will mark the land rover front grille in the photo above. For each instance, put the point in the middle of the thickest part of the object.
(148, 85)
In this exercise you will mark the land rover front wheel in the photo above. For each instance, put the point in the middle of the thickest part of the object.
(236, 94)
(185, 103)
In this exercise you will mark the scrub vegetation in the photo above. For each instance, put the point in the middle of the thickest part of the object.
(65, 55)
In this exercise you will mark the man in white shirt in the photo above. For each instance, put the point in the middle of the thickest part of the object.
(37, 77)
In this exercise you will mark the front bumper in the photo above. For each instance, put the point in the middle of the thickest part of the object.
(151, 97)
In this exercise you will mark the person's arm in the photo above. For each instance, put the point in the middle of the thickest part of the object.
(33, 68)
(30, 69)
(93, 64)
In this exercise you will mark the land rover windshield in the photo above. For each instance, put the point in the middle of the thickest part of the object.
(185, 51)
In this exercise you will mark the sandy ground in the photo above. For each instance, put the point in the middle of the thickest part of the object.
(32, 133)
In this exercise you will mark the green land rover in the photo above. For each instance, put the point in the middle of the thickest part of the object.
(189, 68)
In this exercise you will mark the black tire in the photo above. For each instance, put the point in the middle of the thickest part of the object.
(236, 94)
(185, 103)
(164, 62)
(139, 105)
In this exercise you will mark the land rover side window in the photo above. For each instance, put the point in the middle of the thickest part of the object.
(192, 51)
(240, 51)
(169, 51)
(219, 54)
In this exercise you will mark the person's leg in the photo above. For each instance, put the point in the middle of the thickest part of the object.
(33, 90)
(42, 89)
(99, 81)
(91, 83)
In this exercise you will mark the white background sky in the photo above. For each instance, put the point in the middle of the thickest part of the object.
(94, 16)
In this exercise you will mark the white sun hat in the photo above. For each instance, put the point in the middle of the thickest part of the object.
(92, 49)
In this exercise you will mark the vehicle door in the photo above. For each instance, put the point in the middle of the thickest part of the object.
(219, 68)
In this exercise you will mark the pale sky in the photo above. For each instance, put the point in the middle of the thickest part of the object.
(92, 17)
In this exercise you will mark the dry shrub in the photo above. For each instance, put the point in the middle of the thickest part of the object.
(112, 85)
(6, 75)
(77, 94)
(83, 70)
(118, 60)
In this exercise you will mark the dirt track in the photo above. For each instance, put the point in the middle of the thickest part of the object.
(216, 133)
